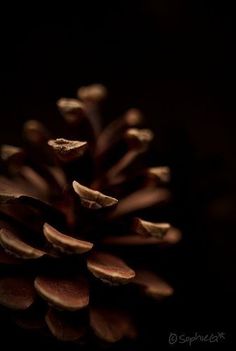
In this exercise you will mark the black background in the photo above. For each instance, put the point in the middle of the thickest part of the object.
(174, 60)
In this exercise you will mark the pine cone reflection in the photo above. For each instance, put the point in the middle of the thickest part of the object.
(68, 208)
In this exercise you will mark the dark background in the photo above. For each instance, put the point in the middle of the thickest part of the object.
(175, 60)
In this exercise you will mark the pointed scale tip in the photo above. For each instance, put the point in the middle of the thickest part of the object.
(92, 93)
(65, 243)
(152, 284)
(72, 110)
(35, 132)
(69, 294)
(109, 268)
(93, 199)
(139, 138)
(11, 153)
(147, 228)
(68, 150)
(18, 248)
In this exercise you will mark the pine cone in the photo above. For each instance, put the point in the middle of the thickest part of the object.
(68, 209)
